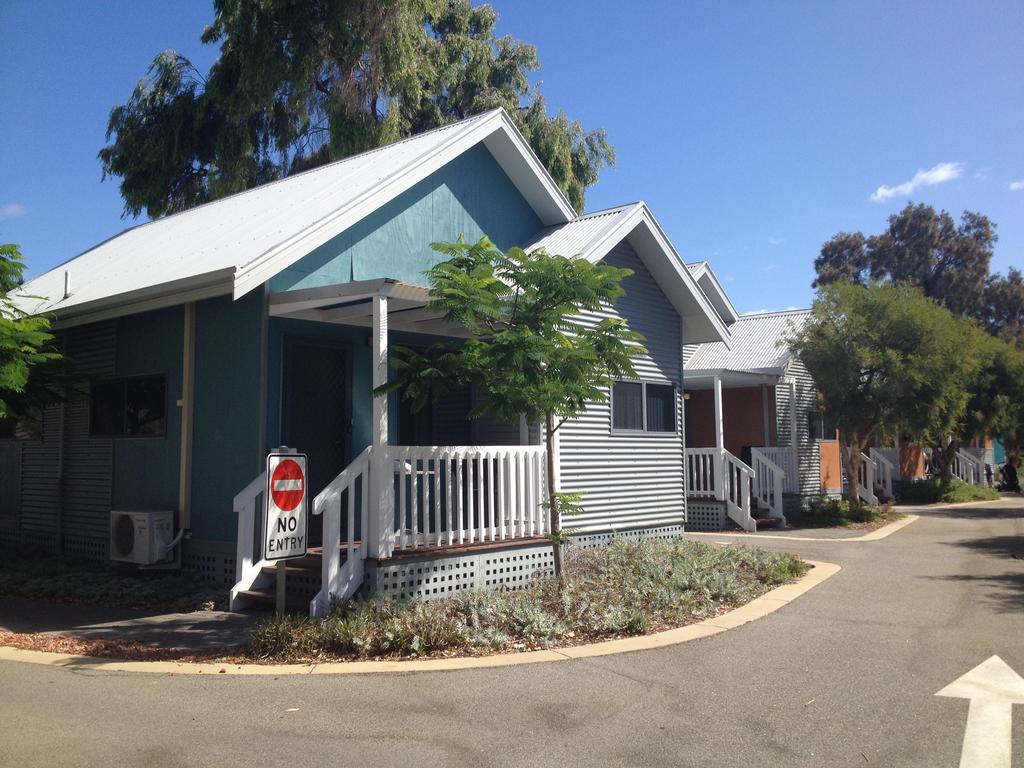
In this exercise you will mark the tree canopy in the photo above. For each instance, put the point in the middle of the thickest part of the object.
(530, 352)
(887, 360)
(921, 247)
(25, 348)
(298, 85)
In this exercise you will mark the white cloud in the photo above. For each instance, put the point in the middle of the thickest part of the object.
(983, 174)
(940, 174)
(1017, 186)
(776, 240)
(769, 267)
(12, 210)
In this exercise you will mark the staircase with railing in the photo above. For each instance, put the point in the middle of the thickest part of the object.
(719, 475)
(769, 484)
(866, 481)
(967, 467)
(436, 498)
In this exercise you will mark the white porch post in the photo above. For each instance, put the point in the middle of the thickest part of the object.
(792, 415)
(381, 511)
(719, 440)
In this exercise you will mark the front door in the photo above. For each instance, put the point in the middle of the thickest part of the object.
(317, 417)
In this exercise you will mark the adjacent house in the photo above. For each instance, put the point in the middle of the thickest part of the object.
(208, 338)
(752, 410)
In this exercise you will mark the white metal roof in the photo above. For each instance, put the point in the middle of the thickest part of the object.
(595, 234)
(755, 346)
(234, 244)
(712, 287)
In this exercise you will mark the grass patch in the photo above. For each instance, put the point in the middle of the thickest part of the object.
(934, 490)
(91, 582)
(832, 513)
(625, 588)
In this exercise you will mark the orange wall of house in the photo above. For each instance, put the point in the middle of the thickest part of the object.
(742, 418)
(911, 460)
(830, 465)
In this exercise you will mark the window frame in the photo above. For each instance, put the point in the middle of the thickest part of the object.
(125, 380)
(643, 407)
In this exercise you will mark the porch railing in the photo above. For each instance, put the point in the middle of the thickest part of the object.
(451, 495)
(769, 480)
(715, 474)
(785, 459)
(884, 471)
(349, 490)
(967, 467)
(866, 480)
(248, 565)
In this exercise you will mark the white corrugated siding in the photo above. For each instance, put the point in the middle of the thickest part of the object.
(807, 448)
(630, 480)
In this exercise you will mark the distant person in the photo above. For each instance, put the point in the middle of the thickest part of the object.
(1010, 480)
(988, 475)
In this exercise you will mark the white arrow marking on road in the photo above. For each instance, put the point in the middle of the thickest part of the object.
(993, 688)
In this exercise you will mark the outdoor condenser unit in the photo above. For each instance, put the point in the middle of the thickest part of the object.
(143, 538)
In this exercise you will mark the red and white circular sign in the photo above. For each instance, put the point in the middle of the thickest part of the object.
(287, 485)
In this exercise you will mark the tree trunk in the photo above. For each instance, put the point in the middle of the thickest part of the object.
(942, 459)
(554, 517)
(852, 460)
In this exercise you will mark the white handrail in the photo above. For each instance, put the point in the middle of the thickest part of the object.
(451, 495)
(337, 580)
(769, 480)
(247, 564)
(885, 471)
(866, 481)
(967, 467)
(736, 488)
(786, 459)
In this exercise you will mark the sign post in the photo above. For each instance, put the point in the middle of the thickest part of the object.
(286, 512)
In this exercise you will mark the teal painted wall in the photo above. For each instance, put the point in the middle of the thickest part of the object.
(225, 450)
(146, 468)
(470, 196)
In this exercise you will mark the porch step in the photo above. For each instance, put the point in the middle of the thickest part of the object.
(767, 522)
(267, 598)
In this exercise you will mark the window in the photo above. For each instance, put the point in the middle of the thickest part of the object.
(820, 426)
(129, 407)
(640, 406)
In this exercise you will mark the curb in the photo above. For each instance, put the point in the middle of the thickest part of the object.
(883, 532)
(755, 609)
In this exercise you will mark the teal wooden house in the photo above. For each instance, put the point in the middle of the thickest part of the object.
(209, 337)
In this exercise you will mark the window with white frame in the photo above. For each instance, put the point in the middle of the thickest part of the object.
(643, 406)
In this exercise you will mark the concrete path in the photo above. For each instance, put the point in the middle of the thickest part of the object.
(843, 676)
(198, 630)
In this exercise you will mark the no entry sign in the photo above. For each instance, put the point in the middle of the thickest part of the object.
(286, 506)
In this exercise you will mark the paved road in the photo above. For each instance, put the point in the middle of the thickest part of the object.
(844, 676)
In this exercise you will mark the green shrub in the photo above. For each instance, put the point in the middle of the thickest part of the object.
(824, 512)
(625, 588)
(933, 490)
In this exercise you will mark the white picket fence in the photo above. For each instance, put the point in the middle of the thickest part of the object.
(452, 495)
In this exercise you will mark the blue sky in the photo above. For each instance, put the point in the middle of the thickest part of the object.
(754, 131)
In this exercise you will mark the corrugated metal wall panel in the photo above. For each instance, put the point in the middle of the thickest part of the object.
(78, 511)
(630, 480)
(806, 400)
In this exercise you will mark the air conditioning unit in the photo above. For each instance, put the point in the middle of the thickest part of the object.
(143, 538)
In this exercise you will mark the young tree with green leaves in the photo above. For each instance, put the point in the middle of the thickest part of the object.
(301, 84)
(529, 352)
(886, 359)
(24, 343)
